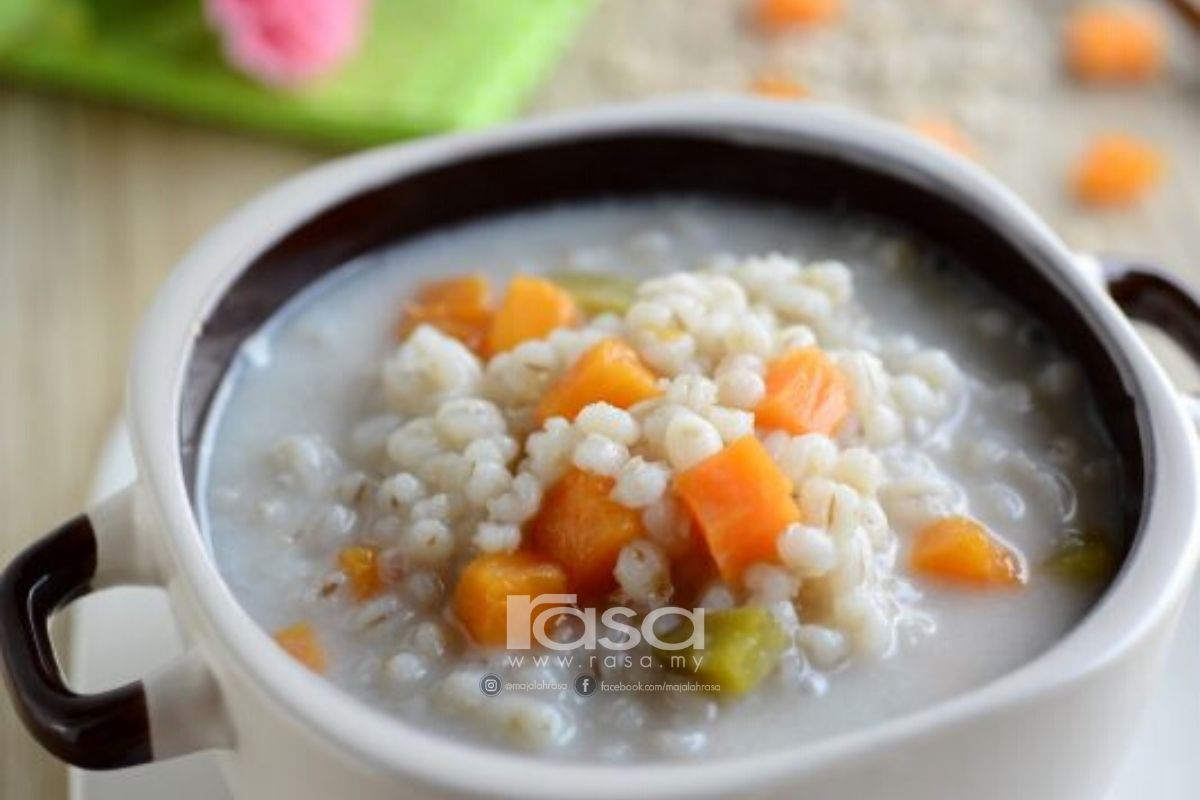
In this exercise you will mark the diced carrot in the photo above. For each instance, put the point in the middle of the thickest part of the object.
(944, 133)
(531, 309)
(609, 371)
(741, 502)
(458, 307)
(778, 87)
(805, 393)
(582, 528)
(1114, 44)
(360, 565)
(300, 642)
(1116, 170)
(775, 16)
(960, 550)
(481, 597)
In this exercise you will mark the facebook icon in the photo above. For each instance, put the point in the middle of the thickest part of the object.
(585, 685)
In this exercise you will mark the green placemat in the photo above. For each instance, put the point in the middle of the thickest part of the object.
(426, 65)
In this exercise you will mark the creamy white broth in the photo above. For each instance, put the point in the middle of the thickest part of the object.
(314, 371)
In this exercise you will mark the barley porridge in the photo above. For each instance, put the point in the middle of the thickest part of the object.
(867, 482)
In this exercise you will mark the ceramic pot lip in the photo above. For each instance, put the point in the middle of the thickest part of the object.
(1150, 585)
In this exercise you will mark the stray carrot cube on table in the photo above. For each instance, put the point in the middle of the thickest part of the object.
(1116, 170)
(1114, 44)
(778, 87)
(776, 16)
(945, 133)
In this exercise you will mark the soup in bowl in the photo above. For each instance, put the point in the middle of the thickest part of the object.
(782, 473)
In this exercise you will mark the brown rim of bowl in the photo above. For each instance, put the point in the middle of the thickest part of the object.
(1189, 10)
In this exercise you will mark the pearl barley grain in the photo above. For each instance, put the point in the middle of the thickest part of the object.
(768, 583)
(690, 439)
(599, 455)
(827, 648)
(462, 420)
(644, 573)
(806, 550)
(406, 669)
(731, 423)
(493, 537)
(608, 421)
(740, 388)
(529, 724)
(519, 503)
(428, 541)
(399, 491)
(640, 483)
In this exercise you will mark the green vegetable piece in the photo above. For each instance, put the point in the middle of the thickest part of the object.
(597, 294)
(741, 646)
(1084, 558)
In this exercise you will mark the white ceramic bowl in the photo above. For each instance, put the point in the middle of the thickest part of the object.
(1054, 728)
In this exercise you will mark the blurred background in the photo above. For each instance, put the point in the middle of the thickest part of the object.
(129, 127)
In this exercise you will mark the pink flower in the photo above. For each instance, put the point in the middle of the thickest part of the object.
(287, 42)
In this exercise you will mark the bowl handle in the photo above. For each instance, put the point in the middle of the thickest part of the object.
(1189, 10)
(1152, 295)
(106, 730)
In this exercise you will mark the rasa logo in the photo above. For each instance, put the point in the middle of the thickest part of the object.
(530, 617)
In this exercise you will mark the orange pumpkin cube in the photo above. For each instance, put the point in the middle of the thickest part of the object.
(481, 598)
(1116, 170)
(945, 133)
(360, 565)
(458, 307)
(610, 371)
(1114, 44)
(741, 502)
(778, 87)
(775, 16)
(960, 550)
(300, 642)
(532, 308)
(805, 393)
(582, 528)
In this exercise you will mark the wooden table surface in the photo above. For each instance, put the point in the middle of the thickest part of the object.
(96, 204)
